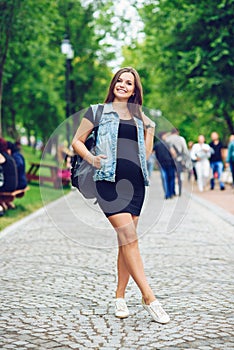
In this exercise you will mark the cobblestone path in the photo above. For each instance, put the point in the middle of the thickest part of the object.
(57, 292)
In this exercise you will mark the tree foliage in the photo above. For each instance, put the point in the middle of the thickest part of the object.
(185, 61)
(188, 54)
(34, 68)
(29, 94)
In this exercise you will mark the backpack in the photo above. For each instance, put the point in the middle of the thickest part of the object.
(81, 171)
(182, 159)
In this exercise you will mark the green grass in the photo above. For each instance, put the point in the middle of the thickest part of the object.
(32, 199)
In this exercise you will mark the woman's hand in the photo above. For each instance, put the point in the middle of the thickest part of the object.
(96, 161)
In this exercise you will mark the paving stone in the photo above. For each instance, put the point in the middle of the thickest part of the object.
(59, 294)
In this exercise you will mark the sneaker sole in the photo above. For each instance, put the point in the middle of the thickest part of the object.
(121, 317)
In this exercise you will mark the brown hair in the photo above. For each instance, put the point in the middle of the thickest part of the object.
(135, 101)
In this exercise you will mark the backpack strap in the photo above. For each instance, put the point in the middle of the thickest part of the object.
(176, 149)
(97, 119)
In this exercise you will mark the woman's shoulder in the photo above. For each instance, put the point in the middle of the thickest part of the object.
(89, 114)
(94, 112)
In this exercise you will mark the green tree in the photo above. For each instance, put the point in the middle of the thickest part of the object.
(8, 10)
(34, 68)
(90, 62)
(34, 73)
(188, 52)
(29, 81)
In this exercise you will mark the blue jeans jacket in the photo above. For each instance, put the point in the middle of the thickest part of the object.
(106, 144)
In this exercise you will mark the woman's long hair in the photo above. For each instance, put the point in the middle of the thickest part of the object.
(135, 101)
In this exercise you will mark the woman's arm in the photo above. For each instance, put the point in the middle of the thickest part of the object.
(149, 127)
(78, 143)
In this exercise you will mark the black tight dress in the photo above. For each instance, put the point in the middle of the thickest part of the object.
(126, 194)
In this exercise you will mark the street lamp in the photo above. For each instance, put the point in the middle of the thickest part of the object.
(156, 113)
(67, 50)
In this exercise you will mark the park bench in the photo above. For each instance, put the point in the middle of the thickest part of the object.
(9, 197)
(54, 171)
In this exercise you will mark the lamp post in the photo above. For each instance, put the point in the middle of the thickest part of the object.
(67, 50)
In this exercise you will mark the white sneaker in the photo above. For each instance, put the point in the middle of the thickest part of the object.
(156, 311)
(121, 309)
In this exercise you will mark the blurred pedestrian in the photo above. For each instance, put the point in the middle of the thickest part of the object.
(14, 151)
(200, 154)
(166, 165)
(216, 161)
(150, 164)
(124, 142)
(8, 174)
(230, 156)
(179, 151)
(192, 170)
(8, 171)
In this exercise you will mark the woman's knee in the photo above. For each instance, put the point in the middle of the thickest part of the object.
(126, 234)
(125, 225)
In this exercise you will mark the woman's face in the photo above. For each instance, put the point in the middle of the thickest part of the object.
(124, 87)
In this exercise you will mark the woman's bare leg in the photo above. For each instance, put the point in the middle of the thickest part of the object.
(130, 254)
(123, 274)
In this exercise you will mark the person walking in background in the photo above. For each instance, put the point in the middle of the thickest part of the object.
(192, 170)
(230, 156)
(179, 151)
(166, 165)
(216, 161)
(14, 151)
(200, 154)
(124, 142)
(150, 164)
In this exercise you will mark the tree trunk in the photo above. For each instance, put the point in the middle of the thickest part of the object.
(6, 35)
(14, 133)
(28, 135)
(1, 86)
(229, 122)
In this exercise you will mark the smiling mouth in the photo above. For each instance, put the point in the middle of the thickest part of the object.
(121, 90)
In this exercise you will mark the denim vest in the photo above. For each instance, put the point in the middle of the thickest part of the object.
(106, 144)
